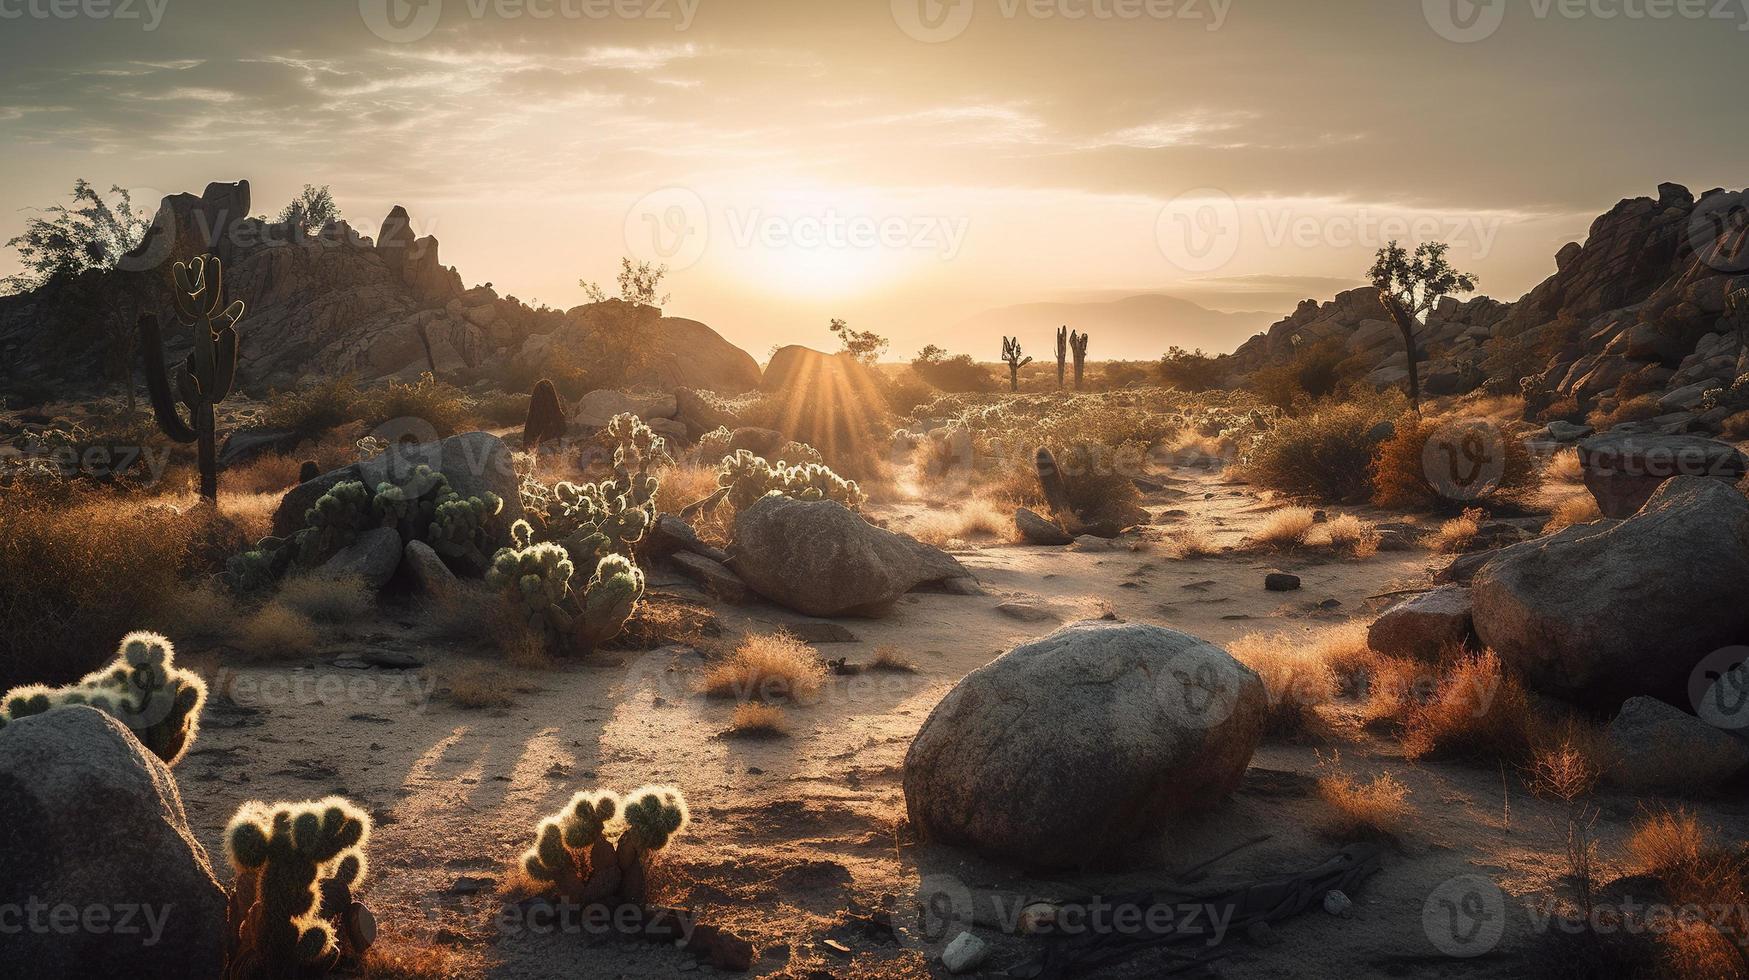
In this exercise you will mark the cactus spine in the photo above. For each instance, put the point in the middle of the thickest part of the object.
(1012, 356)
(205, 378)
(297, 866)
(1078, 346)
(143, 689)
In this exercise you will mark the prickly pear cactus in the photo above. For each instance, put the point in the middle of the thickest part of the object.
(298, 865)
(143, 689)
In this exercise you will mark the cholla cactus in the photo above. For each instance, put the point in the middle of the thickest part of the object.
(609, 599)
(335, 521)
(750, 478)
(599, 847)
(536, 577)
(143, 689)
(714, 445)
(297, 866)
(410, 506)
(459, 528)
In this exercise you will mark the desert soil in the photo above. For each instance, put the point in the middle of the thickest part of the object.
(797, 840)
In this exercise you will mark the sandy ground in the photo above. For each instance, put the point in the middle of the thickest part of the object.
(797, 841)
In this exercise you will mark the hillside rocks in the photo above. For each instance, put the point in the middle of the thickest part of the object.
(1601, 613)
(1075, 747)
(819, 558)
(1623, 469)
(1424, 626)
(684, 353)
(94, 824)
(473, 462)
(1656, 748)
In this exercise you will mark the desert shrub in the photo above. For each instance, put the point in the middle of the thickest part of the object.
(1122, 374)
(439, 404)
(79, 569)
(756, 720)
(502, 408)
(1325, 452)
(1190, 542)
(268, 473)
(327, 600)
(1295, 680)
(767, 667)
(1285, 528)
(1468, 460)
(313, 410)
(957, 372)
(1098, 478)
(481, 686)
(1479, 712)
(1640, 408)
(1189, 370)
(1377, 808)
(1456, 535)
(277, 631)
(1316, 371)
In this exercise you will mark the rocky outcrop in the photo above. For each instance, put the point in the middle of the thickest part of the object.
(683, 353)
(94, 829)
(1604, 612)
(819, 558)
(1623, 469)
(1074, 748)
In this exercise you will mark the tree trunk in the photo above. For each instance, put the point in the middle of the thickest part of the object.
(1406, 323)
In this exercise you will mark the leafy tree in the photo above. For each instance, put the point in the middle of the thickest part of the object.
(1189, 370)
(639, 284)
(310, 210)
(951, 372)
(1411, 286)
(65, 241)
(864, 345)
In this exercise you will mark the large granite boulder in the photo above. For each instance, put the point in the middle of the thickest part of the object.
(1656, 748)
(819, 558)
(1600, 613)
(1071, 748)
(1622, 469)
(1423, 627)
(97, 859)
(474, 462)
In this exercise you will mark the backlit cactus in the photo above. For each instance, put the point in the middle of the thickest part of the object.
(599, 847)
(460, 528)
(143, 689)
(334, 521)
(536, 578)
(1078, 347)
(205, 378)
(292, 907)
(609, 517)
(609, 599)
(750, 478)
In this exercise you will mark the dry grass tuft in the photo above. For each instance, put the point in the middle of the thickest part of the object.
(1564, 467)
(1348, 534)
(328, 600)
(1190, 542)
(1567, 763)
(1345, 650)
(1285, 528)
(481, 686)
(1479, 712)
(1372, 810)
(767, 667)
(686, 483)
(1456, 535)
(277, 631)
(474, 616)
(271, 473)
(392, 959)
(1295, 680)
(1577, 509)
(977, 518)
(891, 658)
(755, 720)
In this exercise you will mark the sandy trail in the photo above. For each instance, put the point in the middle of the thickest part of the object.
(791, 832)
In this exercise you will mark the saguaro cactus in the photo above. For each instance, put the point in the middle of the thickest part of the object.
(1078, 346)
(205, 378)
(1062, 353)
(1012, 356)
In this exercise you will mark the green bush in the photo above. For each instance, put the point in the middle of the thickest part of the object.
(1325, 451)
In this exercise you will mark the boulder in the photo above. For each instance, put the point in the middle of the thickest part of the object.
(1602, 612)
(427, 570)
(594, 410)
(94, 831)
(1622, 469)
(700, 414)
(1567, 431)
(1422, 627)
(244, 445)
(372, 558)
(712, 576)
(1281, 582)
(1655, 748)
(474, 462)
(819, 558)
(1034, 528)
(1072, 748)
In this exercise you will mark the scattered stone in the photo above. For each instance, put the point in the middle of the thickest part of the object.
(430, 575)
(1281, 582)
(1424, 626)
(712, 576)
(373, 558)
(94, 821)
(965, 954)
(1260, 934)
(391, 659)
(1657, 748)
(1117, 727)
(1026, 612)
(1337, 902)
(1037, 529)
(1093, 542)
(671, 534)
(469, 885)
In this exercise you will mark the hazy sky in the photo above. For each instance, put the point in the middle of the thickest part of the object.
(901, 164)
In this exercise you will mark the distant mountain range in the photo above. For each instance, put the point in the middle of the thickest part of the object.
(1132, 328)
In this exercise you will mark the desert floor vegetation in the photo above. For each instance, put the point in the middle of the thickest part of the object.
(767, 667)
